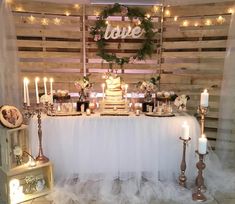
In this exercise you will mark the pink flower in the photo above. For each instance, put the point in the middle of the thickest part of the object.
(97, 37)
(132, 60)
(124, 10)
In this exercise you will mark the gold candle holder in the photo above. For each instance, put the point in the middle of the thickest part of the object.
(182, 177)
(198, 195)
(40, 158)
(202, 111)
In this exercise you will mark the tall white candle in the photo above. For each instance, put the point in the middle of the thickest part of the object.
(36, 87)
(27, 92)
(103, 86)
(51, 88)
(204, 98)
(24, 83)
(45, 85)
(202, 144)
(185, 131)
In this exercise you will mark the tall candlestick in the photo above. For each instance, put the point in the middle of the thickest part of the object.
(202, 144)
(103, 86)
(51, 89)
(185, 131)
(45, 85)
(24, 83)
(27, 92)
(204, 98)
(36, 87)
(126, 87)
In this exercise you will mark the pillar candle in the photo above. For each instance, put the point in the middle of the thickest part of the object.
(126, 87)
(202, 144)
(27, 92)
(103, 86)
(185, 131)
(36, 87)
(204, 98)
(88, 112)
(45, 85)
(51, 88)
(24, 83)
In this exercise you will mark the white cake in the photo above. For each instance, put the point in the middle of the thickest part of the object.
(114, 90)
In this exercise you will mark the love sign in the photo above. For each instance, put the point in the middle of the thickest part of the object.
(116, 32)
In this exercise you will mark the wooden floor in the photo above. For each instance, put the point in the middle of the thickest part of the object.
(219, 199)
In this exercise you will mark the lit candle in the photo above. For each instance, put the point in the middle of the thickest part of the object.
(51, 89)
(103, 86)
(36, 87)
(185, 131)
(88, 112)
(204, 98)
(24, 82)
(202, 144)
(45, 85)
(137, 112)
(27, 92)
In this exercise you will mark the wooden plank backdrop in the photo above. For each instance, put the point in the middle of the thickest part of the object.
(192, 58)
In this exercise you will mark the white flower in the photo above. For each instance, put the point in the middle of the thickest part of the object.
(17, 151)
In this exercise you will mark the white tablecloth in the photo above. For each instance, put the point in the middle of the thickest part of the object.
(111, 147)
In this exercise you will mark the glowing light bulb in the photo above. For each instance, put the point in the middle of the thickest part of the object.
(185, 23)
(230, 10)
(31, 19)
(156, 8)
(76, 6)
(176, 18)
(67, 13)
(57, 21)
(106, 22)
(220, 19)
(148, 15)
(208, 22)
(45, 21)
(167, 13)
(196, 24)
(19, 8)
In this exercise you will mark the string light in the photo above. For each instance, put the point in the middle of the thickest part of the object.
(19, 8)
(185, 23)
(9, 1)
(31, 19)
(230, 10)
(148, 15)
(106, 22)
(45, 21)
(208, 22)
(167, 13)
(196, 24)
(156, 9)
(97, 13)
(67, 13)
(220, 19)
(76, 6)
(57, 21)
(176, 18)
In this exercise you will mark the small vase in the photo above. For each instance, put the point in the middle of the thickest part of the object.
(148, 96)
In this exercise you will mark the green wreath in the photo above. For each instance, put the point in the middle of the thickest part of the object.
(146, 24)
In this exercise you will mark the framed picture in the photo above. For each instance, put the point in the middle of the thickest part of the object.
(10, 116)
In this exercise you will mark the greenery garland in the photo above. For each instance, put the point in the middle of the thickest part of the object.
(146, 24)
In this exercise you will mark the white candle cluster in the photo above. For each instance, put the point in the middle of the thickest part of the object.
(185, 131)
(36, 81)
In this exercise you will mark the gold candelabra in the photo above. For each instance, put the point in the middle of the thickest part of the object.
(202, 111)
(182, 177)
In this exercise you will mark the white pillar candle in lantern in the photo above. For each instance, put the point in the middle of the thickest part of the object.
(36, 87)
(185, 131)
(202, 144)
(204, 98)
(103, 86)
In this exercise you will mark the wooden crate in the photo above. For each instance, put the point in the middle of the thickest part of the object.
(9, 138)
(8, 195)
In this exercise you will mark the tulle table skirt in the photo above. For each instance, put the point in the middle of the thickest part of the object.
(107, 147)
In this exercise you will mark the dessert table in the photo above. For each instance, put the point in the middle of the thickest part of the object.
(110, 147)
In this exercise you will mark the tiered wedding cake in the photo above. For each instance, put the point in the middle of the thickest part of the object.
(114, 94)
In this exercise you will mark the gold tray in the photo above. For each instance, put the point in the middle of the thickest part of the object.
(160, 115)
(64, 114)
(114, 114)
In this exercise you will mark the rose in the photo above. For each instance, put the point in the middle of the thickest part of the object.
(17, 151)
(124, 10)
(97, 37)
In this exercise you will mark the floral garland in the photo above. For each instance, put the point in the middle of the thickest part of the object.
(135, 15)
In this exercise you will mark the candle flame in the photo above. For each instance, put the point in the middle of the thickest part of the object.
(205, 90)
(51, 80)
(37, 79)
(103, 85)
(203, 136)
(45, 79)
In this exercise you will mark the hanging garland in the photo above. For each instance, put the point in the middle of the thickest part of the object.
(136, 16)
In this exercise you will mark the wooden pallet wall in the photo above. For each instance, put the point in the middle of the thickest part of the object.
(192, 56)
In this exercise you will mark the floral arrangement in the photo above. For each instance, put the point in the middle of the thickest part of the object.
(83, 86)
(148, 86)
(33, 183)
(137, 17)
(181, 102)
